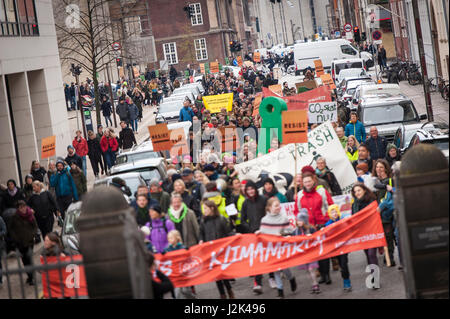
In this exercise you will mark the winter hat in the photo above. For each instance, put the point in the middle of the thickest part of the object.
(171, 171)
(303, 216)
(70, 146)
(309, 169)
(270, 181)
(187, 172)
(175, 177)
(251, 184)
(209, 168)
(156, 208)
(363, 166)
(336, 208)
(59, 162)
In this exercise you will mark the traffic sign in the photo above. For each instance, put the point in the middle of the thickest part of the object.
(348, 27)
(376, 35)
(116, 46)
(337, 34)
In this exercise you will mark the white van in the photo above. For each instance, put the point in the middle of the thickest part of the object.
(342, 64)
(327, 51)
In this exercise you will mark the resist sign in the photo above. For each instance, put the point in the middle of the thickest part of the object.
(321, 112)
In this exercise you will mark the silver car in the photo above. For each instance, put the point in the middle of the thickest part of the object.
(69, 234)
(150, 168)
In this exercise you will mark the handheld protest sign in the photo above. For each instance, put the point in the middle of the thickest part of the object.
(306, 84)
(319, 67)
(159, 135)
(48, 146)
(180, 145)
(202, 68)
(214, 67)
(215, 103)
(277, 89)
(320, 112)
(239, 60)
(257, 57)
(270, 110)
(229, 139)
(328, 80)
(256, 103)
(295, 126)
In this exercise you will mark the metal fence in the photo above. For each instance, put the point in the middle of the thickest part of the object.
(43, 275)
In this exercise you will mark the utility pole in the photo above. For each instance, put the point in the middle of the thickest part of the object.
(423, 64)
(111, 95)
(76, 71)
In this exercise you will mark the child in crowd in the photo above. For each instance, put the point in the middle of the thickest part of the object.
(335, 215)
(362, 171)
(175, 241)
(304, 228)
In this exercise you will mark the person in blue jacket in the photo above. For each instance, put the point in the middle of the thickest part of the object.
(65, 188)
(355, 128)
(186, 113)
(386, 209)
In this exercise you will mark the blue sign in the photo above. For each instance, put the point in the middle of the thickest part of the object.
(376, 35)
(235, 62)
(337, 34)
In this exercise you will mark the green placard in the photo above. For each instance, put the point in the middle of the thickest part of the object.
(186, 73)
(227, 62)
(157, 73)
(142, 78)
(87, 113)
(220, 67)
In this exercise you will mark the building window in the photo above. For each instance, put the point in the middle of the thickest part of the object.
(170, 52)
(196, 11)
(200, 49)
(18, 18)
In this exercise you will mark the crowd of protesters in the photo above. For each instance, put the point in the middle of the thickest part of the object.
(188, 207)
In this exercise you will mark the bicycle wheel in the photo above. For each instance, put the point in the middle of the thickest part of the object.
(445, 92)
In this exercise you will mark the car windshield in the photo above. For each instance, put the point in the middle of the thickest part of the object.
(391, 113)
(351, 73)
(349, 65)
(136, 157)
(69, 224)
(149, 173)
(133, 183)
(350, 91)
(172, 107)
(442, 144)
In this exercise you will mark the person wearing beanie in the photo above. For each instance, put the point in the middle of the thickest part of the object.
(277, 223)
(304, 228)
(253, 211)
(28, 187)
(159, 195)
(12, 194)
(392, 154)
(159, 226)
(167, 184)
(320, 181)
(210, 172)
(270, 190)
(65, 188)
(72, 156)
(335, 216)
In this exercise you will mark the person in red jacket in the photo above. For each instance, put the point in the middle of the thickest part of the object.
(316, 200)
(109, 146)
(81, 148)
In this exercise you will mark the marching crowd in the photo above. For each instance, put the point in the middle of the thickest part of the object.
(188, 207)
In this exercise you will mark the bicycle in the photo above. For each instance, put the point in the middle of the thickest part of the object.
(444, 92)
(436, 84)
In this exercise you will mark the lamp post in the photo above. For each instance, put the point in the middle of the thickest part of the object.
(76, 71)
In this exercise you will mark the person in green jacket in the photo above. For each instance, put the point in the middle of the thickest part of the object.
(341, 135)
(79, 178)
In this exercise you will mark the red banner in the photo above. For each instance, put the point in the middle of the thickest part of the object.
(249, 254)
(302, 100)
(246, 255)
(69, 281)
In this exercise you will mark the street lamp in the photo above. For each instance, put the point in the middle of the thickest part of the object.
(76, 71)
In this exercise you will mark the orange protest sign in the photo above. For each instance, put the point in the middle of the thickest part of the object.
(136, 72)
(202, 68)
(249, 254)
(180, 146)
(276, 88)
(256, 103)
(319, 67)
(295, 126)
(239, 60)
(230, 139)
(65, 282)
(214, 67)
(257, 57)
(328, 80)
(48, 147)
(159, 135)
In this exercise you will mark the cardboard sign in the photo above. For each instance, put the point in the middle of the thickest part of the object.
(159, 134)
(239, 60)
(215, 103)
(180, 145)
(307, 84)
(295, 126)
(202, 68)
(328, 80)
(345, 204)
(301, 101)
(135, 72)
(246, 255)
(231, 210)
(289, 210)
(214, 67)
(48, 146)
(257, 57)
(256, 103)
(320, 112)
(230, 139)
(277, 89)
(277, 73)
(319, 67)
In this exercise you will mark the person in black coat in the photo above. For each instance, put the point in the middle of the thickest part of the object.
(107, 110)
(164, 285)
(12, 195)
(45, 207)
(73, 157)
(126, 137)
(173, 73)
(323, 172)
(37, 171)
(95, 153)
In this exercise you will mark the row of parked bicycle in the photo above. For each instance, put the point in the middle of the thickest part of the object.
(410, 71)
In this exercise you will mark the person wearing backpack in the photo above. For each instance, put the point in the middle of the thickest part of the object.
(159, 226)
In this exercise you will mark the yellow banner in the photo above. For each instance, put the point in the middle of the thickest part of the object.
(215, 103)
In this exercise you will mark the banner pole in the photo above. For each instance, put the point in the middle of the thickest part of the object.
(295, 168)
(388, 258)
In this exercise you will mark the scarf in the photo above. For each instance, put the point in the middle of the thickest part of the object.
(176, 215)
(13, 192)
(28, 214)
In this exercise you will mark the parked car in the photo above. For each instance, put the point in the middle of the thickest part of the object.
(405, 133)
(149, 168)
(69, 234)
(343, 64)
(350, 73)
(434, 136)
(132, 179)
(169, 112)
(387, 114)
(350, 89)
(187, 89)
(345, 82)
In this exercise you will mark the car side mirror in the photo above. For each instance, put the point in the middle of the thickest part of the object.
(423, 117)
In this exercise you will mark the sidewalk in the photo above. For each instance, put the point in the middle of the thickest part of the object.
(147, 120)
